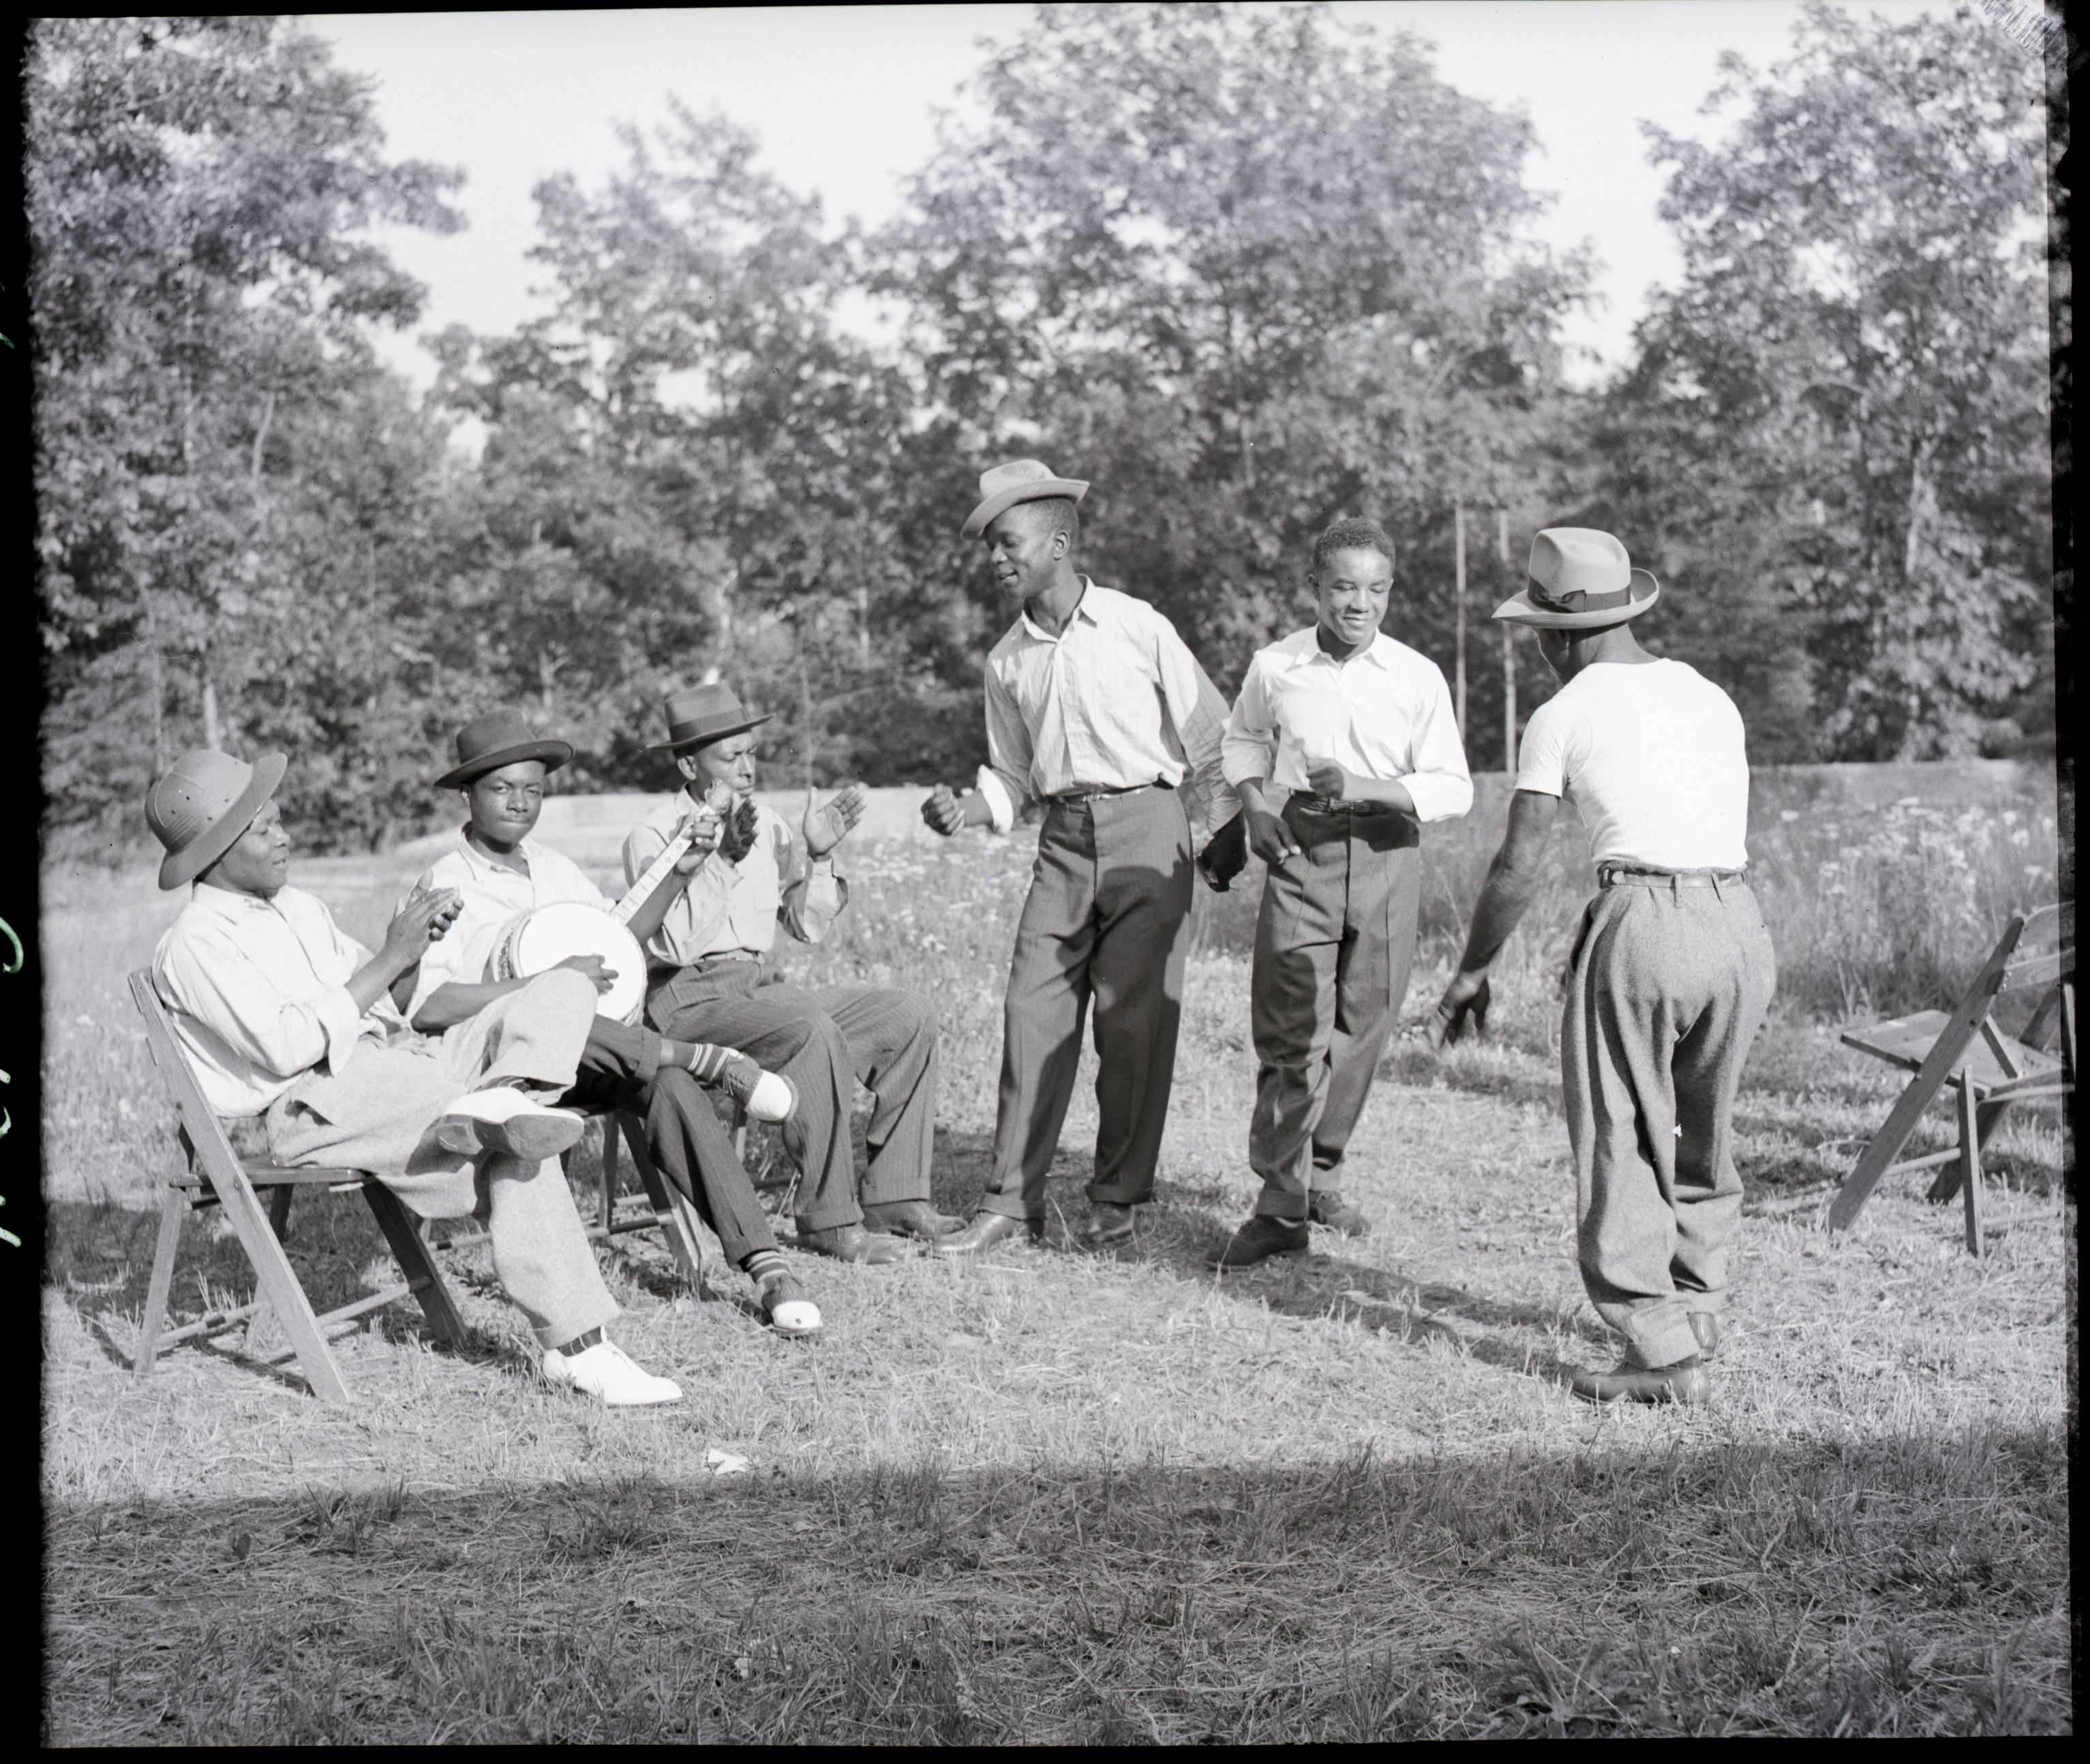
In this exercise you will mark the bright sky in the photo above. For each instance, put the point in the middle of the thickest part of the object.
(841, 99)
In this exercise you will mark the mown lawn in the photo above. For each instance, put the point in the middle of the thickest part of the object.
(1057, 1497)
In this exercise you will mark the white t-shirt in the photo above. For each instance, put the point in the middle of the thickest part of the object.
(1653, 756)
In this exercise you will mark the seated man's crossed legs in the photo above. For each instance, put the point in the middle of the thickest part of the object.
(825, 1040)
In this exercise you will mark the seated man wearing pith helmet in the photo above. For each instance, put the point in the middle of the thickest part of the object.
(706, 963)
(499, 872)
(284, 1015)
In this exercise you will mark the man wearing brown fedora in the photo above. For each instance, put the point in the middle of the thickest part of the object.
(1671, 971)
(283, 1016)
(707, 962)
(1096, 708)
(498, 873)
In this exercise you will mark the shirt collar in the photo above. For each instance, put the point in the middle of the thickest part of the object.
(1378, 652)
(226, 903)
(1082, 611)
(483, 866)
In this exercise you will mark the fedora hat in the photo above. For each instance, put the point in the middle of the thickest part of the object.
(202, 804)
(1581, 579)
(699, 714)
(500, 739)
(1019, 480)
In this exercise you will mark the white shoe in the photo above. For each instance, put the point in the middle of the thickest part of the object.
(503, 1119)
(606, 1371)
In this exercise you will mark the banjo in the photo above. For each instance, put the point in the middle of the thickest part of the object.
(539, 940)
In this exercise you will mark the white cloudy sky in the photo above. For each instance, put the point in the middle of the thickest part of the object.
(842, 100)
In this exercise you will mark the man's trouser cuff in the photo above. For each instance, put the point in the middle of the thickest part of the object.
(1009, 1208)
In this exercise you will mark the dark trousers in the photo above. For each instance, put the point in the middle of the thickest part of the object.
(620, 1068)
(1107, 917)
(1333, 946)
(824, 1040)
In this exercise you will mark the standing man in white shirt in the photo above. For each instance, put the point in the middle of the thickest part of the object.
(1672, 970)
(1355, 734)
(1094, 705)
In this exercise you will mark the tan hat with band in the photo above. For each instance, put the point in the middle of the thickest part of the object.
(1581, 579)
(1019, 480)
(202, 805)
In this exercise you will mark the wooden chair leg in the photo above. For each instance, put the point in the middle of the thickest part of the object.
(279, 1287)
(1969, 1165)
(279, 1211)
(174, 1206)
(417, 1262)
(672, 1211)
(611, 1138)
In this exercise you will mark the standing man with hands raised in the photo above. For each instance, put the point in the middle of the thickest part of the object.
(1359, 733)
(1094, 706)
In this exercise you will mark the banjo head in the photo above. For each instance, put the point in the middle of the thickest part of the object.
(542, 938)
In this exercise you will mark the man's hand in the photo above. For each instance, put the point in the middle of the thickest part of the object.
(427, 914)
(1269, 838)
(592, 967)
(824, 829)
(1329, 780)
(1464, 1005)
(944, 812)
(703, 826)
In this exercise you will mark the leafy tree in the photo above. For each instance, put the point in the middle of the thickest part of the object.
(199, 193)
(1835, 434)
(1246, 272)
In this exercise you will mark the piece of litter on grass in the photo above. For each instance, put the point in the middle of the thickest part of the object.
(726, 1463)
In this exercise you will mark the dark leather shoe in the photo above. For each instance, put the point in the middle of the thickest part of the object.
(1705, 1325)
(1683, 1382)
(1337, 1215)
(1259, 1240)
(853, 1243)
(1108, 1226)
(986, 1231)
(909, 1218)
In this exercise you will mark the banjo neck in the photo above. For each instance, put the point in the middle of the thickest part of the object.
(641, 891)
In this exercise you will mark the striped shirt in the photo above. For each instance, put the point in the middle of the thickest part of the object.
(1114, 701)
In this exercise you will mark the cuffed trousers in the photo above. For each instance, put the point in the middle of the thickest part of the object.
(620, 1069)
(1666, 989)
(1333, 946)
(1107, 917)
(376, 1115)
(824, 1040)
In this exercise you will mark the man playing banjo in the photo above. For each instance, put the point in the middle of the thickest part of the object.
(498, 875)
(706, 959)
(282, 1015)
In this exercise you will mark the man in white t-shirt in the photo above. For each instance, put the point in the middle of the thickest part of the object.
(1672, 970)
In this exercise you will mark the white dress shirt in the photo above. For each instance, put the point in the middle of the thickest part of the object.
(729, 907)
(1114, 701)
(1384, 714)
(494, 896)
(257, 992)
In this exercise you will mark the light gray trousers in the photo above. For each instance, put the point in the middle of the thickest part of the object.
(377, 1115)
(1666, 988)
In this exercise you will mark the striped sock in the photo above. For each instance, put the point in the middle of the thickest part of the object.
(762, 1266)
(710, 1062)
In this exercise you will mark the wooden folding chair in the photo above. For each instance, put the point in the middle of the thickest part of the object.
(1965, 1050)
(214, 1175)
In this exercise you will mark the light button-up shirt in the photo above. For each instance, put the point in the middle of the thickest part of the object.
(732, 907)
(257, 992)
(494, 897)
(1385, 714)
(1116, 700)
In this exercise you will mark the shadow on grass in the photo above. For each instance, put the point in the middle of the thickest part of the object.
(1904, 1584)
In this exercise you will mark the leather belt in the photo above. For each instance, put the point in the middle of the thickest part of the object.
(1338, 805)
(1075, 798)
(655, 974)
(1615, 875)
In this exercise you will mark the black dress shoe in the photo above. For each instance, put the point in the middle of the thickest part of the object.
(1259, 1240)
(1108, 1226)
(1705, 1325)
(1683, 1382)
(909, 1218)
(1337, 1215)
(853, 1243)
(986, 1231)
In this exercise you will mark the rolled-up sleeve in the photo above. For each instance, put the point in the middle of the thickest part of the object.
(1440, 784)
(243, 1003)
(1250, 746)
(1004, 781)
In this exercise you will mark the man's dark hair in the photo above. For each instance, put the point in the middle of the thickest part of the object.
(1058, 511)
(1349, 534)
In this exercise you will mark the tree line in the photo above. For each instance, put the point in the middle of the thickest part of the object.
(1244, 272)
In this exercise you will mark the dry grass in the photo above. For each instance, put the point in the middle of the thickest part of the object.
(1058, 1497)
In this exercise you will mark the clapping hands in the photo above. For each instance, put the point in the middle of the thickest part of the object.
(826, 826)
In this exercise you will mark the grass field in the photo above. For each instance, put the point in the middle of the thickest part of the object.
(1059, 1497)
